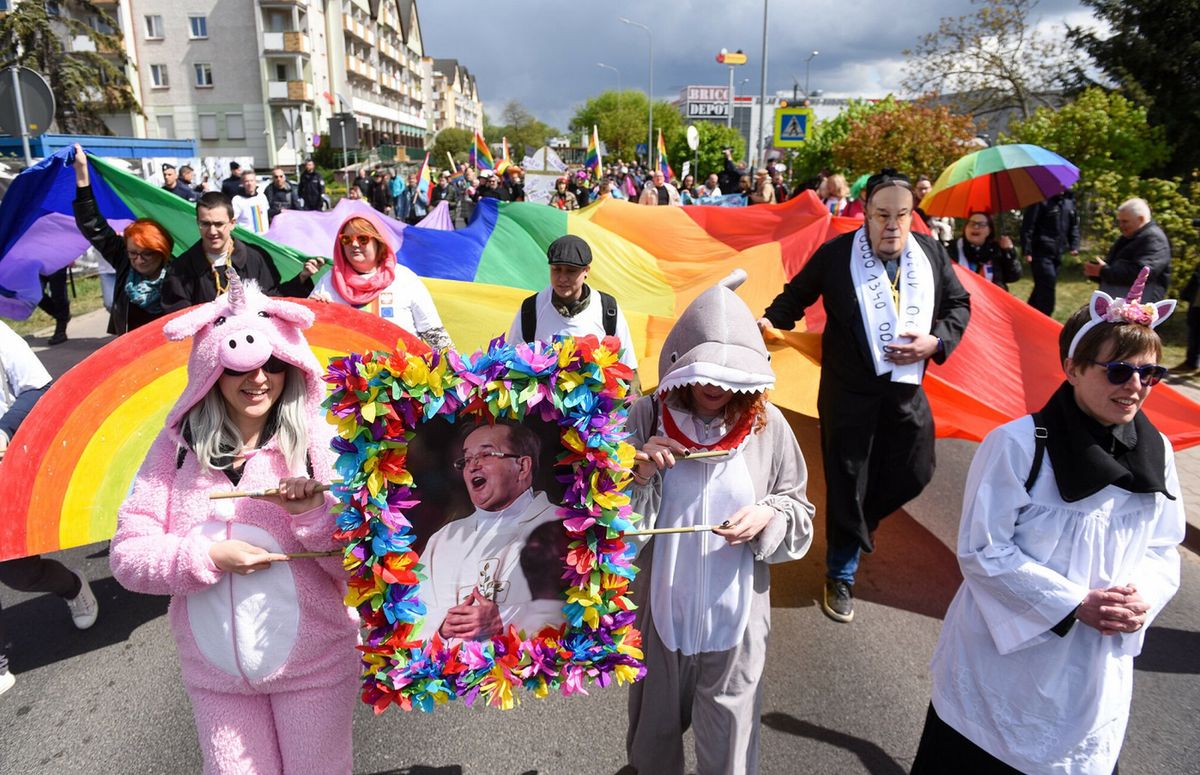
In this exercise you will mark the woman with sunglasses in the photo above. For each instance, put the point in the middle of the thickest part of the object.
(982, 252)
(139, 255)
(366, 276)
(266, 644)
(1067, 549)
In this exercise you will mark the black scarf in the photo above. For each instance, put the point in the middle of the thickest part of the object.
(569, 309)
(1087, 456)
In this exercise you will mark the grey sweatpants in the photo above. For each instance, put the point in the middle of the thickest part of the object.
(717, 693)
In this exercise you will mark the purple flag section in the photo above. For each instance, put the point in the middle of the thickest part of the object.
(313, 233)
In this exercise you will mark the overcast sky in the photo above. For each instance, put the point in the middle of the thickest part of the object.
(544, 52)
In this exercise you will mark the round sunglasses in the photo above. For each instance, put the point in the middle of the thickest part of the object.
(1119, 372)
(362, 240)
(272, 366)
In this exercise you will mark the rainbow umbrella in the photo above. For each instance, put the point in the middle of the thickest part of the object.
(1003, 177)
(68, 469)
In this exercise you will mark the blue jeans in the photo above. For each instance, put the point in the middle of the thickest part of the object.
(841, 562)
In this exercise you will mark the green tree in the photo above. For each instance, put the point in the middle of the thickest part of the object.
(992, 60)
(620, 118)
(86, 84)
(1098, 132)
(1151, 50)
(816, 155)
(713, 137)
(454, 141)
(914, 138)
(521, 128)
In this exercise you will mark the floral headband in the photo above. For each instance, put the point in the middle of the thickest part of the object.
(1131, 309)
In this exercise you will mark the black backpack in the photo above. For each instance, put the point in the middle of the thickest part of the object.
(608, 305)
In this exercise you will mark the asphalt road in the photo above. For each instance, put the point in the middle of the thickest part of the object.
(838, 698)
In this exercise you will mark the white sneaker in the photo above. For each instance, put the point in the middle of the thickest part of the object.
(84, 608)
(7, 681)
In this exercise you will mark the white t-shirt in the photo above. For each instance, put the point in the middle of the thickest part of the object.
(406, 302)
(589, 321)
(250, 212)
(20, 369)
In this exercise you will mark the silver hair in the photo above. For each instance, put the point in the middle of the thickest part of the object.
(216, 439)
(1138, 206)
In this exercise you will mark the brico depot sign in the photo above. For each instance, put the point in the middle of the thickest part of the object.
(707, 101)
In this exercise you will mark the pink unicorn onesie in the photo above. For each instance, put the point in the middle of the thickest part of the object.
(266, 645)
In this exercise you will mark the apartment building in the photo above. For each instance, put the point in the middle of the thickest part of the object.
(261, 78)
(455, 97)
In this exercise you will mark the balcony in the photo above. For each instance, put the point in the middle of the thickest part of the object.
(358, 30)
(286, 42)
(289, 91)
(285, 3)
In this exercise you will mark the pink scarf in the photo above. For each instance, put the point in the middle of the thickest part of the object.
(357, 289)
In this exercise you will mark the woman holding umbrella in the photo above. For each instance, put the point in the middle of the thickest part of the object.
(979, 250)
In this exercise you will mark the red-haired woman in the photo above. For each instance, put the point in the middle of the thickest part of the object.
(140, 256)
(365, 276)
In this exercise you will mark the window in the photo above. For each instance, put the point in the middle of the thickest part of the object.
(208, 126)
(158, 76)
(52, 8)
(197, 26)
(235, 126)
(166, 127)
(204, 79)
(281, 72)
(154, 27)
(5, 5)
(99, 25)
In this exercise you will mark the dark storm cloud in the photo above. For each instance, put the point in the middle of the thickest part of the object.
(544, 53)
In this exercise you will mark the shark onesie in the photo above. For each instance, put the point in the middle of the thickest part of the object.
(704, 603)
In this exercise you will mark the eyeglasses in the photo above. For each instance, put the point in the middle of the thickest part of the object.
(467, 460)
(145, 255)
(272, 366)
(978, 223)
(885, 220)
(213, 224)
(1119, 372)
(362, 240)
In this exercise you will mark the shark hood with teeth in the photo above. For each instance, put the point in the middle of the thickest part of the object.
(716, 341)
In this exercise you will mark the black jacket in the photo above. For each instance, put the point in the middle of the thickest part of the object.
(846, 353)
(312, 186)
(232, 186)
(183, 191)
(1044, 233)
(280, 199)
(1148, 246)
(91, 224)
(190, 277)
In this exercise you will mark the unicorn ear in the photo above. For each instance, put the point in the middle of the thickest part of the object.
(190, 322)
(1164, 309)
(1100, 303)
(297, 315)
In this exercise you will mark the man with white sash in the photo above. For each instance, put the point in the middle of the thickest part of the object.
(892, 302)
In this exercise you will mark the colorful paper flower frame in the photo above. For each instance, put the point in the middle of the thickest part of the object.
(377, 401)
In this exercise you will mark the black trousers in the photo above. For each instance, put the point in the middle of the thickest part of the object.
(943, 751)
(879, 454)
(1045, 279)
(55, 301)
(35, 574)
(1193, 335)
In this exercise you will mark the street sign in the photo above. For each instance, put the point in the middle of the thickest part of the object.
(731, 57)
(792, 126)
(693, 138)
(36, 99)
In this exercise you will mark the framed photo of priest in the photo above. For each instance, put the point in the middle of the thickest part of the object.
(483, 503)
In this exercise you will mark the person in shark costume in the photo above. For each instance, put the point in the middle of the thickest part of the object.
(703, 597)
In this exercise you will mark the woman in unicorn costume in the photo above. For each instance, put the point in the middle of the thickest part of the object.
(704, 597)
(265, 644)
(1070, 521)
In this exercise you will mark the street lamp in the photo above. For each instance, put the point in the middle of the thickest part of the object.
(762, 89)
(618, 72)
(650, 94)
(807, 63)
(732, 60)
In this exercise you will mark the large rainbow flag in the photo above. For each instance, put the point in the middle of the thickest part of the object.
(655, 260)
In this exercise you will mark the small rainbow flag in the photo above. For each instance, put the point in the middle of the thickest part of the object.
(481, 155)
(593, 161)
(663, 164)
(423, 179)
